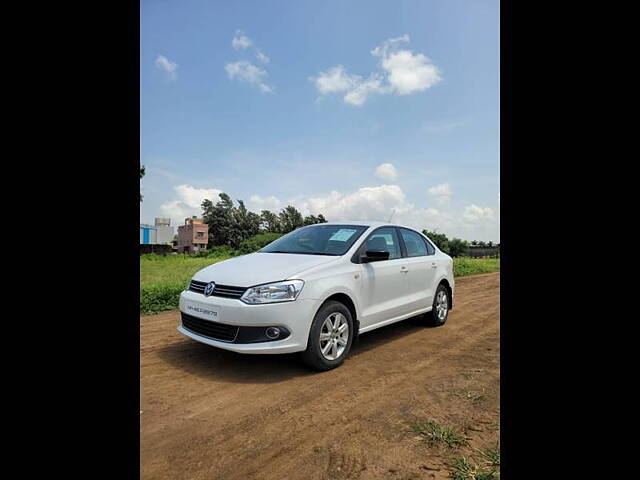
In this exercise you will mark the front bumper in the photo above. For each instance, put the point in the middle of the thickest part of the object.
(296, 316)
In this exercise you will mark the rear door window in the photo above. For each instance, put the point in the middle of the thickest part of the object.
(414, 243)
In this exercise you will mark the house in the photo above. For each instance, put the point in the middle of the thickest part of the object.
(193, 236)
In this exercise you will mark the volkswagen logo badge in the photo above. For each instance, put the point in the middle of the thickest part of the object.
(208, 290)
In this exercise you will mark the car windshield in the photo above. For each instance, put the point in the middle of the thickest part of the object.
(317, 240)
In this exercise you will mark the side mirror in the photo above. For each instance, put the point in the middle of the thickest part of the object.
(374, 256)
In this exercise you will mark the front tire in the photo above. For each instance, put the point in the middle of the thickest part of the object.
(440, 308)
(330, 337)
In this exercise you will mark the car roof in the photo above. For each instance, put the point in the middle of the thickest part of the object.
(367, 223)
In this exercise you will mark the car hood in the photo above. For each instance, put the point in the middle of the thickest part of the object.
(258, 268)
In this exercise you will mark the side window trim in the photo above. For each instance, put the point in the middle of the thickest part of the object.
(403, 247)
(430, 246)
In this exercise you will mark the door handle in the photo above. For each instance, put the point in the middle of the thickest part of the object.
(434, 265)
(403, 270)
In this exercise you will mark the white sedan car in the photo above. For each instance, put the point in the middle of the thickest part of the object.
(316, 288)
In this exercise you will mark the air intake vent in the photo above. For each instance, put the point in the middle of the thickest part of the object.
(207, 328)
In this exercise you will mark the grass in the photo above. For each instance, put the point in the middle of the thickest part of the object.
(436, 434)
(488, 467)
(162, 278)
(470, 266)
(491, 456)
(463, 469)
(475, 398)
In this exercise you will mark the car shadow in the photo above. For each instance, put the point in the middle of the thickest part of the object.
(213, 363)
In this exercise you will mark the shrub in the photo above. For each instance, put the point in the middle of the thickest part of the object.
(257, 242)
(457, 247)
(216, 251)
(157, 298)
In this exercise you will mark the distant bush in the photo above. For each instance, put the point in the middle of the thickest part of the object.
(218, 251)
(257, 242)
(457, 247)
(454, 247)
(157, 298)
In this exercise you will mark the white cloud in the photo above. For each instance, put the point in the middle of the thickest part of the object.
(441, 193)
(166, 65)
(367, 203)
(247, 72)
(262, 57)
(474, 213)
(409, 72)
(402, 72)
(361, 92)
(257, 203)
(374, 203)
(241, 41)
(188, 202)
(335, 80)
(386, 171)
(389, 44)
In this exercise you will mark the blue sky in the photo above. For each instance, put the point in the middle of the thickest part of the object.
(302, 102)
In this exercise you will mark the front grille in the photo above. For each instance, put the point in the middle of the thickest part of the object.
(225, 291)
(207, 328)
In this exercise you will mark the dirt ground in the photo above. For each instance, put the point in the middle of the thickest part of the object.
(212, 414)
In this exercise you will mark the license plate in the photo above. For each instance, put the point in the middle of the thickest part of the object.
(203, 311)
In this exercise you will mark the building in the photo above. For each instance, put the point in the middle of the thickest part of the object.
(164, 230)
(159, 234)
(193, 236)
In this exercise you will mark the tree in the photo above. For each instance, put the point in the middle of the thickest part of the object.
(220, 219)
(290, 219)
(312, 219)
(269, 222)
(142, 172)
(246, 224)
(233, 225)
(457, 247)
(440, 239)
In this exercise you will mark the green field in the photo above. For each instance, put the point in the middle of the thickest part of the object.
(470, 266)
(163, 278)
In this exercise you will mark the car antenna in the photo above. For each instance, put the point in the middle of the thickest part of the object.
(393, 210)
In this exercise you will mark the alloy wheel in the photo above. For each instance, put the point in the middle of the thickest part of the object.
(442, 305)
(334, 336)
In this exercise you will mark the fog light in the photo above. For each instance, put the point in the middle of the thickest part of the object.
(272, 332)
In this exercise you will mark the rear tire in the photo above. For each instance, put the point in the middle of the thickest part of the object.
(330, 337)
(440, 308)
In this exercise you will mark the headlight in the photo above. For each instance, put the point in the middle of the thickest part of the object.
(273, 292)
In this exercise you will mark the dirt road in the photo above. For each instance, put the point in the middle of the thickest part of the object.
(212, 414)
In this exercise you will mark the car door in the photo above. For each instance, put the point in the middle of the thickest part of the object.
(384, 285)
(421, 269)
